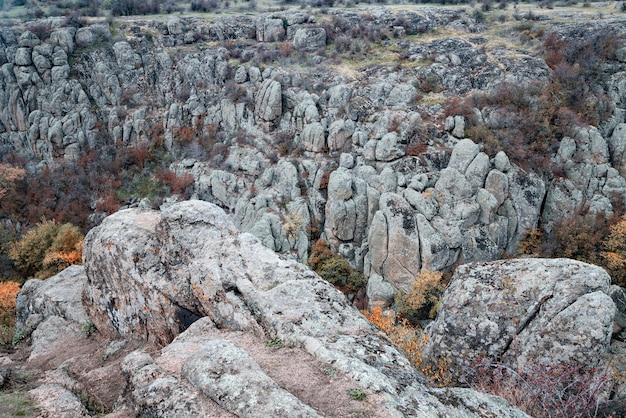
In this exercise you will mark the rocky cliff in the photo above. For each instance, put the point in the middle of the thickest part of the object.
(278, 126)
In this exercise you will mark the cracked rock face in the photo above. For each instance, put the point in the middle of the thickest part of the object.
(545, 311)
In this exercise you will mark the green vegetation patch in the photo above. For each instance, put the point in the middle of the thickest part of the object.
(17, 404)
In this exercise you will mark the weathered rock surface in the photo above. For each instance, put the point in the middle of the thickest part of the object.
(525, 310)
(59, 296)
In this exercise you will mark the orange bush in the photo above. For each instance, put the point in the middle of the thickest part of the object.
(8, 292)
(411, 341)
(8, 176)
(47, 249)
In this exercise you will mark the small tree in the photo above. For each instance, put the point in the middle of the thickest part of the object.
(334, 268)
(423, 299)
(8, 292)
(8, 176)
(614, 254)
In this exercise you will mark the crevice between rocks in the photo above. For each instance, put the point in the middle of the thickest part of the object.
(525, 320)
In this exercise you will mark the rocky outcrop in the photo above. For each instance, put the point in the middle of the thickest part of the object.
(153, 276)
(58, 297)
(548, 312)
(475, 209)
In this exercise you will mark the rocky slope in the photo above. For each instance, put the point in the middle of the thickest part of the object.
(176, 313)
(211, 300)
(294, 140)
(206, 303)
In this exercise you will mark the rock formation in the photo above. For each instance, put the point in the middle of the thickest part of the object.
(296, 150)
(211, 298)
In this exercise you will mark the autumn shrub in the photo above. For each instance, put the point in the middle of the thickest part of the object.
(614, 253)
(561, 391)
(411, 341)
(8, 292)
(8, 177)
(415, 149)
(177, 184)
(423, 299)
(47, 249)
(334, 268)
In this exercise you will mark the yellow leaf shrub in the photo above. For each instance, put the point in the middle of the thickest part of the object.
(425, 291)
(47, 249)
(614, 254)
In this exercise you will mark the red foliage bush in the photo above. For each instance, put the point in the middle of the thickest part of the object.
(564, 391)
(178, 185)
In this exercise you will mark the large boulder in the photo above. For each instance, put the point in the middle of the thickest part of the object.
(309, 39)
(394, 242)
(546, 311)
(59, 296)
(269, 105)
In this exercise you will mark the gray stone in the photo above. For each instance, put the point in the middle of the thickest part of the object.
(618, 294)
(463, 154)
(339, 95)
(459, 127)
(59, 295)
(477, 171)
(338, 134)
(379, 291)
(394, 241)
(346, 160)
(52, 334)
(154, 392)
(388, 148)
(312, 137)
(270, 29)
(340, 184)
(56, 401)
(309, 39)
(501, 162)
(64, 38)
(423, 203)
(174, 25)
(527, 192)
(85, 37)
(488, 205)
(255, 74)
(401, 95)
(28, 39)
(567, 149)
(434, 251)
(241, 75)
(545, 311)
(23, 57)
(126, 57)
(268, 107)
(454, 183)
(224, 372)
(617, 146)
(497, 183)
